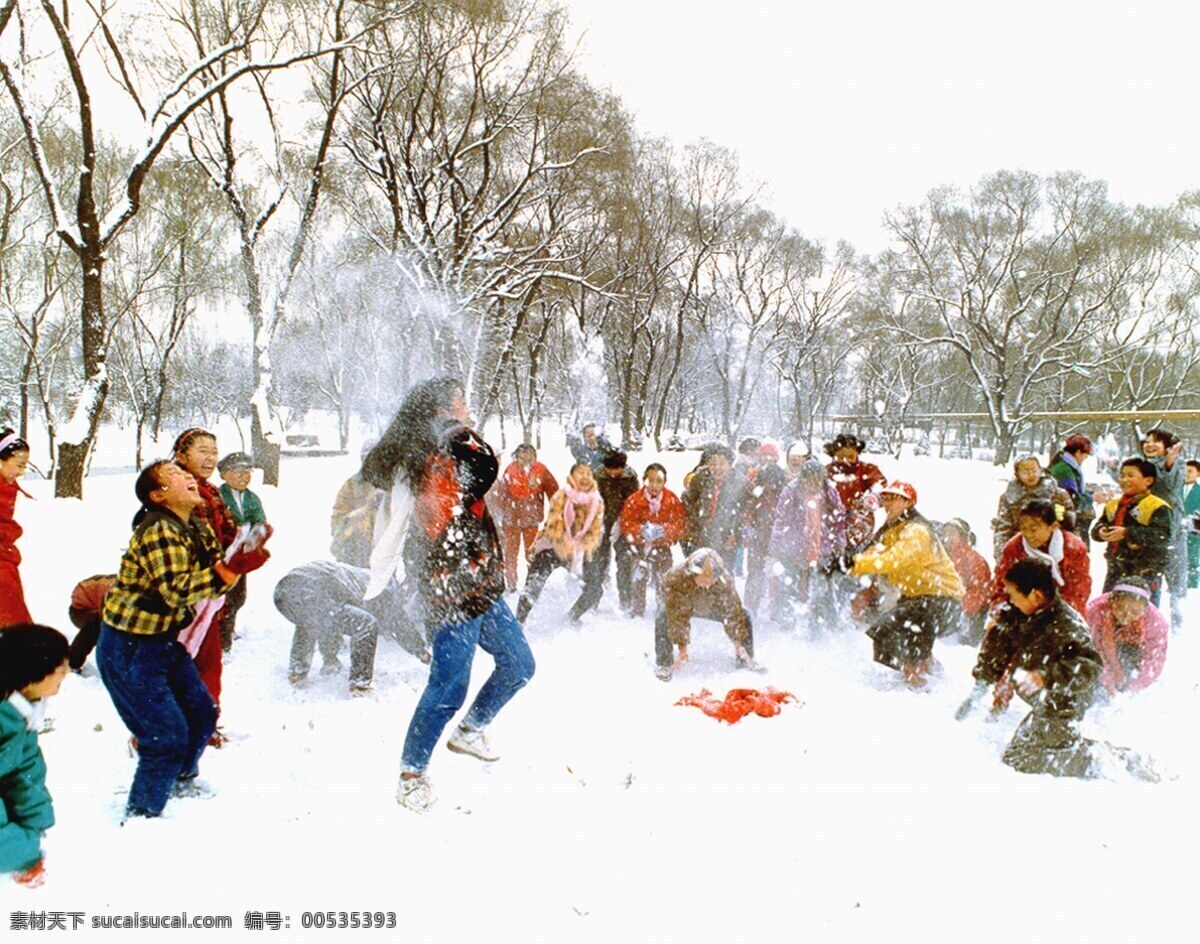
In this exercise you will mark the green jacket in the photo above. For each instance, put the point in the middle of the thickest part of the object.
(26, 810)
(251, 510)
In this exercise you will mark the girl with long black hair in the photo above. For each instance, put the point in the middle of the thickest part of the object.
(437, 471)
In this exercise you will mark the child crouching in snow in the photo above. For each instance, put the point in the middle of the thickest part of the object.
(33, 664)
(700, 587)
(571, 533)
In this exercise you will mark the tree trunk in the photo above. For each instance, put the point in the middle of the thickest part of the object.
(1005, 443)
(266, 453)
(73, 451)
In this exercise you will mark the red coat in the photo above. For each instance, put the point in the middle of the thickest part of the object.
(853, 483)
(521, 494)
(672, 516)
(9, 529)
(12, 595)
(975, 574)
(1075, 568)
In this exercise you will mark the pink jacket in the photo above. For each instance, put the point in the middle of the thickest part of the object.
(1150, 632)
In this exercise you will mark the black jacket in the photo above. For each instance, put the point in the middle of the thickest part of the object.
(453, 550)
(1147, 545)
(615, 492)
(1053, 641)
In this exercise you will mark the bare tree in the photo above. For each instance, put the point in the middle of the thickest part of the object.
(162, 105)
(467, 141)
(1019, 277)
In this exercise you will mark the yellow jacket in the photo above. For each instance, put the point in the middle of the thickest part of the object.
(912, 561)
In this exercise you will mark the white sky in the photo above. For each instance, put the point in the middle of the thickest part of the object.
(846, 108)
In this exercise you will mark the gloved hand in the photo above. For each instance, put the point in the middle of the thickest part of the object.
(258, 535)
(249, 555)
(34, 876)
(244, 561)
(972, 700)
(652, 532)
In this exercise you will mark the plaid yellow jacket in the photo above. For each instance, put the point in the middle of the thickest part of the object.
(167, 569)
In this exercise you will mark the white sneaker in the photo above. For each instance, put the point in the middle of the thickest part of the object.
(466, 740)
(415, 793)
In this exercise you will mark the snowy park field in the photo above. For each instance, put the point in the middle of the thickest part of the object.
(861, 813)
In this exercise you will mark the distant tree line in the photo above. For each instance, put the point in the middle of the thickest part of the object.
(260, 207)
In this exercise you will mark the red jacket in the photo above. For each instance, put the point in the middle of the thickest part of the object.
(672, 516)
(1075, 568)
(853, 482)
(521, 495)
(9, 529)
(975, 574)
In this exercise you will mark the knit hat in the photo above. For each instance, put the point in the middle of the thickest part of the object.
(801, 447)
(767, 452)
(1078, 441)
(903, 489)
(235, 460)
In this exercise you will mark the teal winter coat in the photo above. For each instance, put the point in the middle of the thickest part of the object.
(26, 810)
(251, 510)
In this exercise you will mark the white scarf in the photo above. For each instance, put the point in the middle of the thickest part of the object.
(1053, 554)
(391, 527)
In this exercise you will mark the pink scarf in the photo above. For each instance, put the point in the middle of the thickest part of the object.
(654, 503)
(594, 503)
(575, 497)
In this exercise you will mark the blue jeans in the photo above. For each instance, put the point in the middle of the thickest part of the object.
(499, 634)
(158, 694)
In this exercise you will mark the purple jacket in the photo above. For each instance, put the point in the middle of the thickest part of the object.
(791, 538)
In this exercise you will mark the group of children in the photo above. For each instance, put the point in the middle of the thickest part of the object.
(159, 627)
(804, 533)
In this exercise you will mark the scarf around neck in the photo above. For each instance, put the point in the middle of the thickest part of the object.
(1053, 554)
(591, 500)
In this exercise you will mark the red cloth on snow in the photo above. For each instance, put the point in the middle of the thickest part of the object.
(739, 703)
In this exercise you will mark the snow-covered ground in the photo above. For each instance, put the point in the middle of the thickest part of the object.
(865, 814)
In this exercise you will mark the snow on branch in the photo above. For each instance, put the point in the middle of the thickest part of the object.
(161, 127)
(68, 232)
